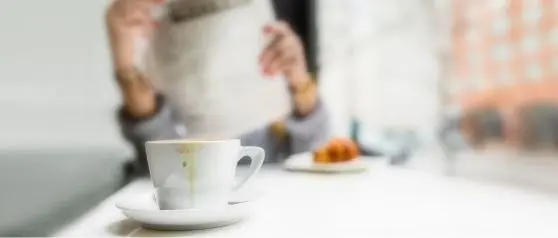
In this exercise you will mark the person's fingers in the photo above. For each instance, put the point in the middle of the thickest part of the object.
(274, 67)
(281, 51)
(284, 51)
(146, 5)
(142, 17)
(130, 8)
(282, 32)
(282, 64)
(288, 63)
(139, 19)
(143, 1)
(278, 28)
(270, 52)
(267, 62)
(282, 61)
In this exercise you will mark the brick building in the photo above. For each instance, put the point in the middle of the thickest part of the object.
(505, 56)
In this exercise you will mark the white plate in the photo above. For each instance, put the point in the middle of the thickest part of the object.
(144, 210)
(304, 162)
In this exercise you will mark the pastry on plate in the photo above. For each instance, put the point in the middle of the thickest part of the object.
(337, 150)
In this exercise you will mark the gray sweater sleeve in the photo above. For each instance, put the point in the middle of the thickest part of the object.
(303, 133)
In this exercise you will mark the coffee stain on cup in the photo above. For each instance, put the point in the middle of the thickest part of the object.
(188, 154)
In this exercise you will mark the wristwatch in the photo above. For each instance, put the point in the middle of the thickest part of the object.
(310, 84)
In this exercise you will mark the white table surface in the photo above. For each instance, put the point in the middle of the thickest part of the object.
(384, 202)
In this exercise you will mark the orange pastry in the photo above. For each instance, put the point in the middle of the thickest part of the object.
(351, 150)
(335, 151)
(321, 157)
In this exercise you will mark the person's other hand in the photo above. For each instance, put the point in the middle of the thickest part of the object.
(284, 54)
(127, 20)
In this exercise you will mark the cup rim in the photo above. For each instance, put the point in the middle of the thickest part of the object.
(189, 141)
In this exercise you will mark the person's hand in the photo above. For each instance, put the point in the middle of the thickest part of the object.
(126, 21)
(285, 55)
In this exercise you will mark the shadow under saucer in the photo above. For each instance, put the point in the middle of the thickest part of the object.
(129, 228)
(123, 227)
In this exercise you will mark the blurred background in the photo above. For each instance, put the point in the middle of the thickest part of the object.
(466, 88)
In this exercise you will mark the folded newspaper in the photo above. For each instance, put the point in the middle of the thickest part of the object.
(204, 58)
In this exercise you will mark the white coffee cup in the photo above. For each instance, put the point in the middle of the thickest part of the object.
(198, 174)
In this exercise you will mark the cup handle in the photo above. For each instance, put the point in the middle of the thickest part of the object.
(257, 156)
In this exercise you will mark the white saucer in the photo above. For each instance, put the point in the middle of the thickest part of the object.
(304, 163)
(144, 210)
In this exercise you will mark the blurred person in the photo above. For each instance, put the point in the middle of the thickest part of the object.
(147, 114)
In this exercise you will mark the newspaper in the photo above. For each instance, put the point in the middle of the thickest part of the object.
(207, 66)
